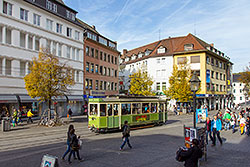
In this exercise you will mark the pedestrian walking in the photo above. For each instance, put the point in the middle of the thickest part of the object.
(248, 126)
(226, 119)
(29, 116)
(233, 122)
(242, 124)
(74, 146)
(192, 155)
(19, 114)
(68, 143)
(208, 128)
(125, 135)
(69, 113)
(14, 118)
(216, 127)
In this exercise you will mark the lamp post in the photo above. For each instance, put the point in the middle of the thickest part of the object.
(194, 84)
(245, 90)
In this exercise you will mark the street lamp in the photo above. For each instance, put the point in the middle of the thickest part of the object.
(194, 84)
(245, 90)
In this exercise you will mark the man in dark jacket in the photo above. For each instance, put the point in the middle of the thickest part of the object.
(192, 155)
(125, 135)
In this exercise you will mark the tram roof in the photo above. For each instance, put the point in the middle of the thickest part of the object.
(121, 98)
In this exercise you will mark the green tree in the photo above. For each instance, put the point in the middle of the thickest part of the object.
(245, 77)
(179, 88)
(48, 77)
(140, 83)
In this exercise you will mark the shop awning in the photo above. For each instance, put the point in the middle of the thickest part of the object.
(8, 98)
(26, 99)
(75, 97)
(60, 99)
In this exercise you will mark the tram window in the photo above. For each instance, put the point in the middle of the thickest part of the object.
(126, 109)
(136, 108)
(109, 109)
(153, 107)
(145, 108)
(161, 107)
(93, 109)
(116, 106)
(102, 109)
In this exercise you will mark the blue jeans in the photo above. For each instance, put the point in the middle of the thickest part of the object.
(233, 128)
(126, 140)
(68, 150)
(73, 152)
(226, 125)
(210, 135)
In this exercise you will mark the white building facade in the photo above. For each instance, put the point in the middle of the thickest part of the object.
(238, 93)
(25, 27)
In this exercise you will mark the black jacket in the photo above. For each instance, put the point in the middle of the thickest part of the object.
(74, 142)
(191, 156)
(126, 131)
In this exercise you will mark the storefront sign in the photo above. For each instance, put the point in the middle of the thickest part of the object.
(208, 76)
(97, 93)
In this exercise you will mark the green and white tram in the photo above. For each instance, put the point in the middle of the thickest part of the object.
(106, 114)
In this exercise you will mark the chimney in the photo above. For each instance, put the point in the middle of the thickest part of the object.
(93, 27)
(212, 44)
(125, 51)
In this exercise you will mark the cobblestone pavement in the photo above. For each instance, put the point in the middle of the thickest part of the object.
(25, 145)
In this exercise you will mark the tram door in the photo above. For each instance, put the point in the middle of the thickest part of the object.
(110, 120)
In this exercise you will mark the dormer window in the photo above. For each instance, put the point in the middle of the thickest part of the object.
(134, 57)
(70, 15)
(127, 59)
(51, 6)
(188, 47)
(147, 52)
(161, 49)
(140, 55)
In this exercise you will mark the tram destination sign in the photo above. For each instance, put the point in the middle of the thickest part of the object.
(97, 93)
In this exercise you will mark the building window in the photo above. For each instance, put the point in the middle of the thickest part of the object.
(198, 73)
(217, 63)
(212, 74)
(217, 87)
(188, 47)
(36, 19)
(96, 84)
(22, 40)
(73, 54)
(7, 8)
(224, 88)
(195, 59)
(240, 90)
(116, 60)
(213, 88)
(224, 77)
(240, 98)
(112, 72)
(92, 52)
(77, 35)
(87, 84)
(92, 67)
(69, 32)
(115, 86)
(208, 86)
(158, 86)
(96, 68)
(234, 91)
(181, 60)
(101, 70)
(58, 28)
(112, 59)
(8, 67)
(87, 66)
(59, 50)
(23, 14)
(8, 36)
(77, 76)
(77, 54)
(103, 41)
(115, 73)
(68, 52)
(161, 49)
(108, 85)
(112, 45)
(96, 54)
(108, 73)
(112, 86)
(1, 67)
(30, 42)
(163, 85)
(22, 68)
(87, 50)
(212, 61)
(158, 61)
(217, 75)
(221, 88)
(109, 58)
(158, 73)
(37, 43)
(101, 56)
(90, 84)
(101, 85)
(220, 76)
(105, 57)
(208, 60)
(49, 24)
(220, 65)
(51, 6)
(70, 15)
(105, 85)
(92, 36)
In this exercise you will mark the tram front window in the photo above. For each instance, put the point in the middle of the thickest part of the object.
(116, 106)
(153, 107)
(109, 109)
(136, 108)
(126, 109)
(93, 109)
(102, 109)
(145, 108)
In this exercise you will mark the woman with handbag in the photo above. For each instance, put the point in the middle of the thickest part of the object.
(74, 145)
(68, 143)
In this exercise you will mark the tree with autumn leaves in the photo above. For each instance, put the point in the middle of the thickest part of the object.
(179, 88)
(140, 83)
(245, 77)
(48, 77)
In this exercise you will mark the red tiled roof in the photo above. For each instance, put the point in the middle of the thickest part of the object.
(173, 45)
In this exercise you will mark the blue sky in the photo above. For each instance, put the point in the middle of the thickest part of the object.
(133, 23)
